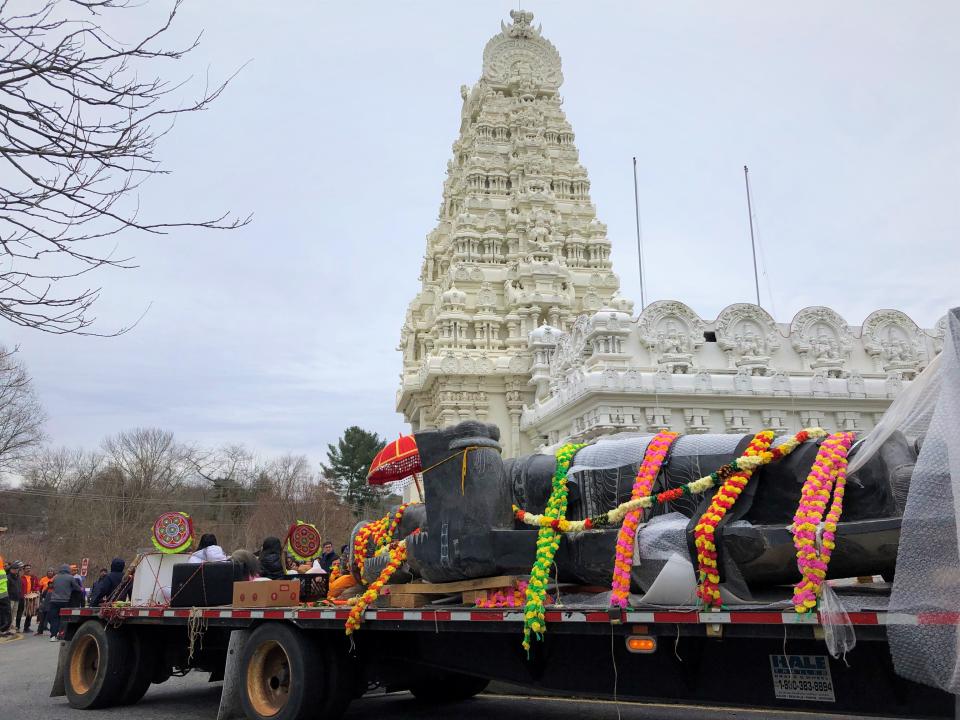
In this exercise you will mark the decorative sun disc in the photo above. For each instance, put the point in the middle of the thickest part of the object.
(303, 541)
(173, 532)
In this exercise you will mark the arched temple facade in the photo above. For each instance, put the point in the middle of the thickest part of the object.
(518, 321)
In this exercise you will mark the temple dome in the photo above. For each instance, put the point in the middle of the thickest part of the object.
(545, 334)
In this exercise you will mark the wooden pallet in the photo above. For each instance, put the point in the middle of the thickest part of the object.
(418, 594)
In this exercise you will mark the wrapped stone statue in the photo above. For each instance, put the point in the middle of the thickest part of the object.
(468, 528)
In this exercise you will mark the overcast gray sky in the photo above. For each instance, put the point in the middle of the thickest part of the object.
(337, 134)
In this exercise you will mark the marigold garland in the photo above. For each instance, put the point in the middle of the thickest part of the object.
(548, 540)
(614, 517)
(646, 476)
(379, 533)
(398, 555)
(827, 477)
(708, 589)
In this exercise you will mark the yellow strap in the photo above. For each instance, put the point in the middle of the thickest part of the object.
(463, 467)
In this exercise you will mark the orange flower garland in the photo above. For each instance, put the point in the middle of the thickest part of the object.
(398, 555)
(709, 588)
(646, 475)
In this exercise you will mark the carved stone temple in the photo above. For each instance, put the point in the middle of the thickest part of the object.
(519, 323)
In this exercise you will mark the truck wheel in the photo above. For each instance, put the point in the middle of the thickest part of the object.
(141, 669)
(95, 672)
(281, 675)
(437, 686)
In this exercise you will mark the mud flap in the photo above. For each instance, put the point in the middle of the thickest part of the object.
(58, 690)
(230, 708)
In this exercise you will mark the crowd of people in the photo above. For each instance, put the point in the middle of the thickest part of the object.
(25, 597)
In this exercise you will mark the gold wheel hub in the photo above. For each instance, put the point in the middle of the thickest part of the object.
(84, 662)
(268, 679)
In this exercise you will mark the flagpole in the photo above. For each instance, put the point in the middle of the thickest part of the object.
(636, 209)
(753, 243)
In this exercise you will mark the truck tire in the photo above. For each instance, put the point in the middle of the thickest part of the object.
(281, 674)
(440, 686)
(96, 669)
(142, 667)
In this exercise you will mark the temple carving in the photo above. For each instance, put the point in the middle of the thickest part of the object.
(519, 323)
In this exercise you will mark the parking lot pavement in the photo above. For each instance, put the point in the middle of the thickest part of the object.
(27, 667)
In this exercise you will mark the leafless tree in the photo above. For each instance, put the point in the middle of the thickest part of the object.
(149, 462)
(80, 116)
(21, 417)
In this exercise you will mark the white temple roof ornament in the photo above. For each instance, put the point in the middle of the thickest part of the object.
(518, 320)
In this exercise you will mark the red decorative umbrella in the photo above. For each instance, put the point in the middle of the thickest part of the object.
(396, 461)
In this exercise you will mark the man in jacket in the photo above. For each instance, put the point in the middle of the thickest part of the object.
(5, 614)
(15, 592)
(64, 585)
(108, 584)
(328, 557)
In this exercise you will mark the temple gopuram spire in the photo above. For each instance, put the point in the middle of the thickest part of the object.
(518, 252)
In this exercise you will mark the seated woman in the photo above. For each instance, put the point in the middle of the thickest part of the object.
(270, 561)
(208, 550)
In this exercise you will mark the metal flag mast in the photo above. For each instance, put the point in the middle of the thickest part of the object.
(636, 208)
(753, 244)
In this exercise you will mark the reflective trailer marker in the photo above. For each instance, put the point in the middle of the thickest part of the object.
(641, 644)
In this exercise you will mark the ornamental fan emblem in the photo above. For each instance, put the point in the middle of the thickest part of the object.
(173, 532)
(303, 541)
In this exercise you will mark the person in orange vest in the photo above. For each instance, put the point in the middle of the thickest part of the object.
(31, 598)
(45, 580)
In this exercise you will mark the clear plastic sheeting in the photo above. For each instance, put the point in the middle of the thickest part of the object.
(928, 562)
(609, 453)
(910, 414)
(838, 632)
(690, 445)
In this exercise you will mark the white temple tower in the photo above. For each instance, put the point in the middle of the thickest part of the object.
(518, 246)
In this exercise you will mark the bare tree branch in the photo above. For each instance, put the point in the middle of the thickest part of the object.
(81, 114)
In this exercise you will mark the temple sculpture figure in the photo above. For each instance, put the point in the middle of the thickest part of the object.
(518, 321)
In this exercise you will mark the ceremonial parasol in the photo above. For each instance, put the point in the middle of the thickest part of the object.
(399, 459)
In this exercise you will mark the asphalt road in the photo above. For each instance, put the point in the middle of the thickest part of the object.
(27, 666)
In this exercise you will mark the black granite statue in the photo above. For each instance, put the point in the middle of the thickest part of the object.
(467, 527)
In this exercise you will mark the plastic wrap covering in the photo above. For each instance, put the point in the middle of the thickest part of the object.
(609, 453)
(909, 414)
(603, 474)
(928, 562)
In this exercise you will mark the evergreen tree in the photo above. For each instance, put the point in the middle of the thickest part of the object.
(349, 460)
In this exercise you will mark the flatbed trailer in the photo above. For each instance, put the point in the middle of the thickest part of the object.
(297, 662)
